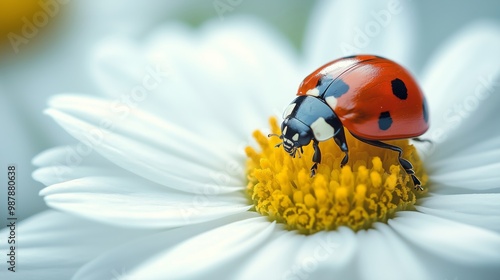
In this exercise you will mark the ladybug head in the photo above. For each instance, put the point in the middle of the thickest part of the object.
(294, 134)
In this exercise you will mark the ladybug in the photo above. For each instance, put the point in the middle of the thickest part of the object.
(374, 98)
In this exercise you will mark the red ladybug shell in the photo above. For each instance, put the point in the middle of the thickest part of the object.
(375, 98)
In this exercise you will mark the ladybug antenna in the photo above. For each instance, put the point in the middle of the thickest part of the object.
(276, 135)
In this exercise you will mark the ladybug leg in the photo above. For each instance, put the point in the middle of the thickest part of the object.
(417, 139)
(342, 143)
(300, 152)
(316, 158)
(420, 140)
(404, 163)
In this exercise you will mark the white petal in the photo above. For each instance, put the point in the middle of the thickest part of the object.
(482, 210)
(240, 60)
(70, 155)
(340, 28)
(66, 163)
(134, 202)
(481, 146)
(384, 255)
(341, 247)
(147, 146)
(53, 245)
(477, 178)
(465, 160)
(448, 247)
(213, 247)
(461, 86)
(61, 173)
(288, 255)
(213, 255)
(237, 73)
(275, 257)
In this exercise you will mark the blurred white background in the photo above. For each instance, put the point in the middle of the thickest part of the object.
(55, 57)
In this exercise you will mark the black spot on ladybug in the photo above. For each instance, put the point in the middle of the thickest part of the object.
(384, 120)
(399, 89)
(336, 89)
(324, 81)
(425, 112)
(323, 84)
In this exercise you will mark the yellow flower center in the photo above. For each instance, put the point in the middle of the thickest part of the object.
(371, 188)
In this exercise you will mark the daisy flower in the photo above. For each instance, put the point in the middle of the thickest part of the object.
(168, 158)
